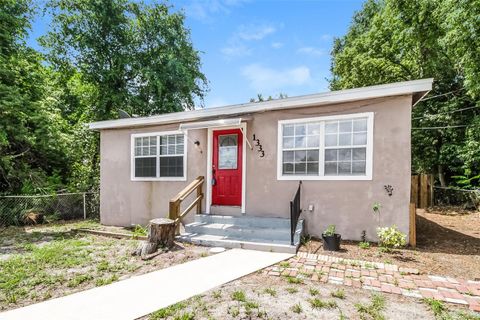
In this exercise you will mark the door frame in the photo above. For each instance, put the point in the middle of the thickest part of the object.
(243, 128)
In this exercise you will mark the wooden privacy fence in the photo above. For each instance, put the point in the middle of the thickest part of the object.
(421, 192)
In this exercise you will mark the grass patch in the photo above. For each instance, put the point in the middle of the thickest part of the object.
(320, 304)
(239, 296)
(168, 311)
(271, 292)
(294, 280)
(297, 308)
(364, 245)
(441, 312)
(78, 280)
(313, 291)
(372, 310)
(291, 290)
(285, 264)
(217, 294)
(339, 293)
(104, 281)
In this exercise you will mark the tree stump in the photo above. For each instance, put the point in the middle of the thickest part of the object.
(161, 232)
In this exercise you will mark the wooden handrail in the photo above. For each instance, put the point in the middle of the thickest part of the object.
(175, 202)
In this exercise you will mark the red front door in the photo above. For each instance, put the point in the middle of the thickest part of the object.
(227, 167)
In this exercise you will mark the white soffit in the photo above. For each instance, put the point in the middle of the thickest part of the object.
(210, 124)
(417, 88)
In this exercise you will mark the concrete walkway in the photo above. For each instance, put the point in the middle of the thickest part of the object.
(138, 296)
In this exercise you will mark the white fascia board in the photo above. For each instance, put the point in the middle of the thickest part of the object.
(385, 90)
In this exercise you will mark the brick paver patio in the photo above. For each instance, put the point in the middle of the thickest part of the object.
(382, 277)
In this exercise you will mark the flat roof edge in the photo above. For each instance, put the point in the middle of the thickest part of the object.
(348, 95)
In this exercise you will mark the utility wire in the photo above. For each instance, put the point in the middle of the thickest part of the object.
(445, 112)
(434, 128)
(441, 95)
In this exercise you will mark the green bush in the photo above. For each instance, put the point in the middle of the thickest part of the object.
(391, 237)
(330, 231)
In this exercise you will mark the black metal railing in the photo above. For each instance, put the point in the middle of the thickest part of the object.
(295, 211)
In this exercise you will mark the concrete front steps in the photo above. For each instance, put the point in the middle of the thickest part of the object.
(247, 232)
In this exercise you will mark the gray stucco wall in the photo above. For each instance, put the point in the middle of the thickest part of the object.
(347, 204)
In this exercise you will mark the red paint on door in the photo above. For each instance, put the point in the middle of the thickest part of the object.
(227, 167)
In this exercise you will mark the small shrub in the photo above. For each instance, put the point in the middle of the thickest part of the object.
(437, 306)
(294, 280)
(139, 231)
(340, 294)
(285, 264)
(297, 308)
(251, 305)
(233, 311)
(391, 237)
(217, 294)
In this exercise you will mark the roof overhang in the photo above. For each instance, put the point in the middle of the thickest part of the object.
(416, 88)
(210, 124)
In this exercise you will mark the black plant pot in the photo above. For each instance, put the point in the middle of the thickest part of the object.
(331, 243)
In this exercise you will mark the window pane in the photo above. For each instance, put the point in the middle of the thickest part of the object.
(288, 143)
(331, 127)
(312, 168)
(171, 166)
(287, 156)
(163, 150)
(300, 142)
(145, 151)
(179, 149)
(313, 141)
(180, 138)
(138, 151)
(359, 153)
(360, 138)
(163, 140)
(153, 141)
(227, 153)
(360, 125)
(288, 130)
(345, 139)
(358, 167)
(300, 156)
(330, 140)
(331, 154)
(227, 140)
(313, 128)
(171, 139)
(138, 142)
(300, 168)
(312, 155)
(145, 167)
(288, 168)
(300, 129)
(345, 126)
(344, 154)
(171, 149)
(344, 168)
(153, 151)
(330, 168)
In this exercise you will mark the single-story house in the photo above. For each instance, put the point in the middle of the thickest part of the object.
(349, 148)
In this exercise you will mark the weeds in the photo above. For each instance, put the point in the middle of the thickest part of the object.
(297, 308)
(239, 296)
(168, 311)
(292, 290)
(271, 292)
(372, 310)
(314, 292)
(339, 293)
(294, 280)
(320, 304)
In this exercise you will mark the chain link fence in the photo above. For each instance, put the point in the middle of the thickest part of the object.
(33, 209)
(468, 199)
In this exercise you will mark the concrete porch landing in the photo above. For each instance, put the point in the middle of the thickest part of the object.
(247, 232)
(138, 296)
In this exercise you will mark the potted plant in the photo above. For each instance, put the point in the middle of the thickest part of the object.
(331, 240)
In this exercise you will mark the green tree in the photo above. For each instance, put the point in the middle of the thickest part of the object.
(32, 145)
(392, 41)
(137, 57)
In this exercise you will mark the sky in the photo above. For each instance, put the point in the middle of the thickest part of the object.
(266, 47)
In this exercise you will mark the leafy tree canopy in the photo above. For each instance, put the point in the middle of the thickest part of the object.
(392, 41)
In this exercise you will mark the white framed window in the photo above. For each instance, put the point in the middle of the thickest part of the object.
(159, 156)
(326, 148)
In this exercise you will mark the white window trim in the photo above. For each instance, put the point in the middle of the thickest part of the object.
(158, 134)
(369, 153)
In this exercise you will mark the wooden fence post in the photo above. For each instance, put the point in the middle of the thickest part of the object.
(423, 191)
(414, 190)
(413, 226)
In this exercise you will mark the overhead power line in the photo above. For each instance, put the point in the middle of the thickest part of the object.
(435, 128)
(445, 112)
(441, 95)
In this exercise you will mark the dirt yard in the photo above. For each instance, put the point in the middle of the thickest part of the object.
(48, 261)
(448, 243)
(261, 297)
